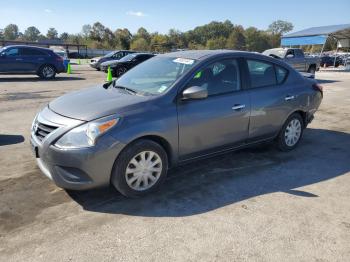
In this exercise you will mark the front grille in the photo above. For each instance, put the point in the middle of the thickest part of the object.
(42, 130)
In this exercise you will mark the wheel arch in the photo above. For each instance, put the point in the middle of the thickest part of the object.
(303, 115)
(163, 143)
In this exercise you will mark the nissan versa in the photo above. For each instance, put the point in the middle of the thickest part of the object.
(168, 110)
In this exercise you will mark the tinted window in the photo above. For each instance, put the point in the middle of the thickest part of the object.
(127, 58)
(12, 52)
(261, 73)
(32, 52)
(281, 74)
(143, 57)
(118, 55)
(219, 77)
(290, 52)
(298, 53)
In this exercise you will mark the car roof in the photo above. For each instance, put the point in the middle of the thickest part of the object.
(202, 54)
(28, 46)
(136, 54)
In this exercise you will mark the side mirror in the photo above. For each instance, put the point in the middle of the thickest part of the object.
(3, 55)
(290, 56)
(195, 92)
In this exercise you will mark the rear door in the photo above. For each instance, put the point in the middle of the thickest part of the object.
(219, 121)
(271, 99)
(33, 58)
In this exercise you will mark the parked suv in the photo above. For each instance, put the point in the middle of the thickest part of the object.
(168, 110)
(19, 59)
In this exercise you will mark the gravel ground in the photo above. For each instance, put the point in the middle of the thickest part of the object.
(256, 204)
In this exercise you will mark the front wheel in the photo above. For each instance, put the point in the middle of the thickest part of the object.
(140, 168)
(47, 72)
(290, 133)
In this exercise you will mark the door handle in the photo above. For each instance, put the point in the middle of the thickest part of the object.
(19, 59)
(288, 97)
(238, 107)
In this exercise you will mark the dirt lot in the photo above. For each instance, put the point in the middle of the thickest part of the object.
(253, 205)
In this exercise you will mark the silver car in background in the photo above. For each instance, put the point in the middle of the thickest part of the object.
(171, 109)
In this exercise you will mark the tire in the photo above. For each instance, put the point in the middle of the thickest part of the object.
(131, 175)
(312, 70)
(120, 71)
(291, 133)
(47, 72)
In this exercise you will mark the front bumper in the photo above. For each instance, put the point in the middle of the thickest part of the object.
(95, 65)
(104, 68)
(76, 169)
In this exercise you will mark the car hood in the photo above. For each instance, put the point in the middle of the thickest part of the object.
(95, 102)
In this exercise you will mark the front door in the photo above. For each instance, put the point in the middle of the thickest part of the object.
(219, 121)
(10, 61)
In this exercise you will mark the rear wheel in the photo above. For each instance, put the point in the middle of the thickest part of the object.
(290, 133)
(47, 72)
(140, 168)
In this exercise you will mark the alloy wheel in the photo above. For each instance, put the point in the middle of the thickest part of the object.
(48, 71)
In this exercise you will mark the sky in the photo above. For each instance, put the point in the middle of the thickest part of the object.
(157, 15)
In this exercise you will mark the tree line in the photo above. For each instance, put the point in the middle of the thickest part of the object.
(214, 35)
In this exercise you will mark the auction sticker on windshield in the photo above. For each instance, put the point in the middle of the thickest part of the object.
(184, 61)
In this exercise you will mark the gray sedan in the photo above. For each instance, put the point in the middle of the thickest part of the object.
(171, 109)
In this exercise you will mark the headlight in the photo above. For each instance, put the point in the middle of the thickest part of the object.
(33, 123)
(86, 135)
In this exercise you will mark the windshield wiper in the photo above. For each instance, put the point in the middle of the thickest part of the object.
(127, 89)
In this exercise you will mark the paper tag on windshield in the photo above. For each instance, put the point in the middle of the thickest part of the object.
(183, 61)
(162, 88)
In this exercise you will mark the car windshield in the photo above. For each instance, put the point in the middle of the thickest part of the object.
(156, 75)
(127, 58)
(110, 54)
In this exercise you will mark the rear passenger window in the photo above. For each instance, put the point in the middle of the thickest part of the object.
(281, 74)
(261, 73)
(32, 52)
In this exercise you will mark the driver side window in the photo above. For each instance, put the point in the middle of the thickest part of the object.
(218, 78)
(118, 55)
(290, 53)
(12, 52)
